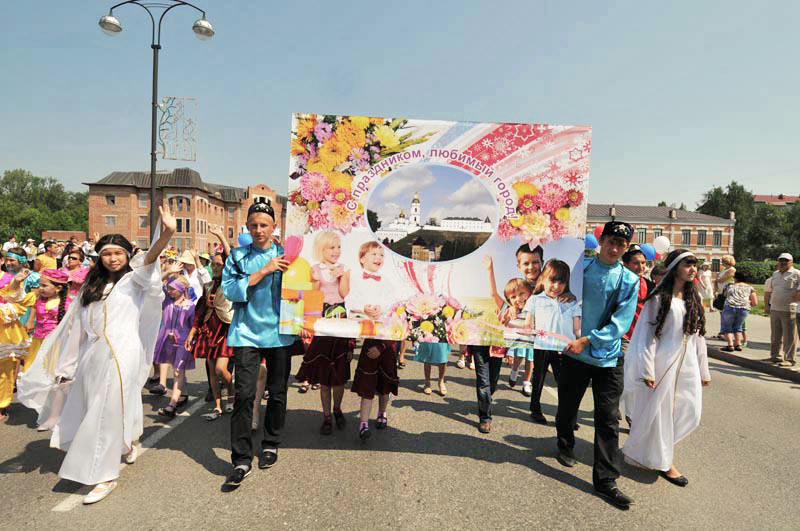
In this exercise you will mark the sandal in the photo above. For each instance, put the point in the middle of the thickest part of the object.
(460, 363)
(327, 426)
(401, 365)
(303, 387)
(315, 387)
(168, 411)
(727, 349)
(214, 415)
(381, 422)
(181, 401)
(228, 408)
(340, 420)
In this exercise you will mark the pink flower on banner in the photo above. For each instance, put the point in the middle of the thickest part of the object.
(536, 228)
(317, 220)
(574, 197)
(312, 150)
(551, 197)
(323, 131)
(505, 230)
(429, 338)
(359, 158)
(557, 229)
(339, 216)
(314, 186)
(573, 177)
(527, 203)
(339, 195)
(462, 331)
(424, 305)
(453, 303)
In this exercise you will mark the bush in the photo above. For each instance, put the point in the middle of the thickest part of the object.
(756, 272)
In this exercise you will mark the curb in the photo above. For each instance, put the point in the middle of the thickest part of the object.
(760, 366)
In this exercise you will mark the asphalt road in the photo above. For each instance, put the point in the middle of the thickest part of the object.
(430, 470)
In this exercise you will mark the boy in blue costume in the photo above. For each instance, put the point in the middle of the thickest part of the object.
(609, 302)
(252, 281)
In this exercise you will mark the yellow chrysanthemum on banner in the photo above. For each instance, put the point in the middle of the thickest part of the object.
(387, 136)
(523, 188)
(562, 214)
(333, 153)
(362, 122)
(516, 222)
(316, 164)
(297, 147)
(448, 311)
(339, 180)
(426, 326)
(312, 205)
(305, 128)
(360, 209)
(350, 135)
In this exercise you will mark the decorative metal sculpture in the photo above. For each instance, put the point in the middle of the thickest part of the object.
(177, 129)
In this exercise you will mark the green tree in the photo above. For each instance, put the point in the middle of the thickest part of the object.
(31, 204)
(372, 220)
(734, 198)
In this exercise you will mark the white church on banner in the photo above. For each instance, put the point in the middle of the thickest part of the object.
(403, 225)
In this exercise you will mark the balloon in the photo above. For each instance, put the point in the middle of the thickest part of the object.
(591, 241)
(245, 239)
(649, 252)
(292, 248)
(298, 276)
(598, 231)
(658, 256)
(661, 244)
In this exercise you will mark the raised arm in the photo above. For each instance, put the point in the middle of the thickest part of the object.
(489, 265)
(221, 237)
(168, 224)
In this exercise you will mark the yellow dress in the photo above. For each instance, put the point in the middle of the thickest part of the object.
(14, 340)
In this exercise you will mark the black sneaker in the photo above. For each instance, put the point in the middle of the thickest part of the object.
(566, 458)
(614, 496)
(538, 418)
(268, 457)
(236, 477)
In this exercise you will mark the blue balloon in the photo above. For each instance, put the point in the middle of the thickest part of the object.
(245, 239)
(591, 242)
(649, 251)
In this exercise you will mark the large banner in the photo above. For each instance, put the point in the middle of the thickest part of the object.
(466, 233)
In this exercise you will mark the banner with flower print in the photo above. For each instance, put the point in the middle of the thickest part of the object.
(436, 231)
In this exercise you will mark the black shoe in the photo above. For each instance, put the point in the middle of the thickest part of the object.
(182, 401)
(236, 477)
(327, 427)
(538, 418)
(614, 496)
(727, 349)
(268, 457)
(364, 433)
(566, 458)
(338, 417)
(158, 389)
(576, 427)
(680, 481)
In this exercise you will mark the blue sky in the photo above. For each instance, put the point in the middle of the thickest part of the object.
(443, 192)
(681, 95)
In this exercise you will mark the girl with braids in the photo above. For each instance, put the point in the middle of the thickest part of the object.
(87, 379)
(665, 367)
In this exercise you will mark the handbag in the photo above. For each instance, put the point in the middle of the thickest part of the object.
(719, 300)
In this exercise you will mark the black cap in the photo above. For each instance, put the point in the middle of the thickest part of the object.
(618, 229)
(632, 250)
(261, 206)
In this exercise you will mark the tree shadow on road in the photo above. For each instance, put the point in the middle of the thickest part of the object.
(736, 370)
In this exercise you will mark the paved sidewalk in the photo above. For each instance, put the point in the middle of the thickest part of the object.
(756, 351)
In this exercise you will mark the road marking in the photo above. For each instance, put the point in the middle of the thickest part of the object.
(74, 500)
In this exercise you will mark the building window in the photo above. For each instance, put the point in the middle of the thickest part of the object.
(110, 221)
(230, 213)
(111, 200)
(686, 237)
(715, 265)
(187, 224)
(143, 198)
(179, 200)
(178, 225)
(701, 238)
(142, 242)
(717, 238)
(144, 222)
(641, 235)
(230, 232)
(657, 233)
(188, 204)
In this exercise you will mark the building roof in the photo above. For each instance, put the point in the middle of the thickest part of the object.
(177, 178)
(777, 200)
(650, 213)
(452, 218)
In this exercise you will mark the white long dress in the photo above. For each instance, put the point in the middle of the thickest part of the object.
(706, 285)
(106, 349)
(662, 417)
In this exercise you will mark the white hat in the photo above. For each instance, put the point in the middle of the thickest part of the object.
(785, 256)
(186, 258)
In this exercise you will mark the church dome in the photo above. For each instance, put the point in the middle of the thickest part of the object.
(402, 214)
(416, 198)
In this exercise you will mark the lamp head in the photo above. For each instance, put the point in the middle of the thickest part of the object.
(110, 25)
(203, 29)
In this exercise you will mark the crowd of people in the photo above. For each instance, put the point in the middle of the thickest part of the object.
(105, 329)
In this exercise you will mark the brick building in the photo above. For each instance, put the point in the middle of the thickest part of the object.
(120, 202)
(779, 200)
(709, 237)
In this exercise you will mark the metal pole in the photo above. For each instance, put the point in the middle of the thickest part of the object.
(154, 132)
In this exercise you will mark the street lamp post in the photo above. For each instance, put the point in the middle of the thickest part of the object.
(202, 29)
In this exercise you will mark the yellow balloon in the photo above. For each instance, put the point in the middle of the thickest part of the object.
(298, 276)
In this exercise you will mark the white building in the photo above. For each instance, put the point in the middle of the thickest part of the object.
(402, 226)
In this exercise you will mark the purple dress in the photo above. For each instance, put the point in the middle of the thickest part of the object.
(176, 321)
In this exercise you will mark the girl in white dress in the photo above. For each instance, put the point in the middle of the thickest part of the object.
(665, 367)
(86, 381)
(706, 287)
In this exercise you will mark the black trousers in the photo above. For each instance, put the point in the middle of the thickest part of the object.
(246, 361)
(487, 372)
(607, 385)
(542, 359)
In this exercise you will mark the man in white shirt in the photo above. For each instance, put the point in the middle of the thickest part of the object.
(780, 294)
(10, 244)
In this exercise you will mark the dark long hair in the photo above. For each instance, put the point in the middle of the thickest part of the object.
(695, 319)
(63, 293)
(99, 276)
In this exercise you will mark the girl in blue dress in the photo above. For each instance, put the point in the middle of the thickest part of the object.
(433, 354)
